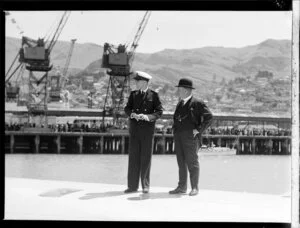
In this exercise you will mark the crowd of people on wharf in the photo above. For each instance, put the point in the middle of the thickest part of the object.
(63, 127)
(94, 127)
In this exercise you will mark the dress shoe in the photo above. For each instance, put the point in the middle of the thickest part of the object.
(193, 192)
(146, 190)
(177, 191)
(128, 190)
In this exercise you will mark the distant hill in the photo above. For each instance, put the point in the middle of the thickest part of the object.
(225, 77)
(167, 66)
(214, 63)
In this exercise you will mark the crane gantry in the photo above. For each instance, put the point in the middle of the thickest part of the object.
(57, 89)
(35, 55)
(118, 60)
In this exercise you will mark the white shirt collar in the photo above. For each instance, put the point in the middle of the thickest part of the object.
(144, 90)
(186, 99)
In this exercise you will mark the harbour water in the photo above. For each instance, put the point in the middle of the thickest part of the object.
(238, 173)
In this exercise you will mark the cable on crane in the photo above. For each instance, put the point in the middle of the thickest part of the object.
(119, 61)
(20, 73)
(132, 34)
(15, 59)
(59, 29)
(7, 80)
(138, 36)
(51, 30)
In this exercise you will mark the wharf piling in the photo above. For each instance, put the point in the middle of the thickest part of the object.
(118, 143)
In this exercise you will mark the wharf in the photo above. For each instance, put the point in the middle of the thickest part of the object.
(32, 199)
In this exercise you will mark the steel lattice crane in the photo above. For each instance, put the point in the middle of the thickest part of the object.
(35, 55)
(138, 36)
(68, 60)
(12, 91)
(118, 60)
(57, 90)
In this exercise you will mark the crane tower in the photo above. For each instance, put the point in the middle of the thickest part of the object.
(57, 82)
(36, 57)
(119, 61)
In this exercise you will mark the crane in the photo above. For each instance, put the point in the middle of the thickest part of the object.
(68, 61)
(57, 90)
(35, 55)
(138, 36)
(12, 91)
(118, 60)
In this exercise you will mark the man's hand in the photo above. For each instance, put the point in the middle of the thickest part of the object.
(134, 116)
(143, 117)
(139, 117)
(195, 132)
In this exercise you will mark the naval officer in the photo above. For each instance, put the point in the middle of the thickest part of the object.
(143, 109)
(191, 119)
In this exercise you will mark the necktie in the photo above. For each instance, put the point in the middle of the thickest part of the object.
(181, 103)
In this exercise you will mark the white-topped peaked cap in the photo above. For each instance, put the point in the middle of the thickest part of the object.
(140, 75)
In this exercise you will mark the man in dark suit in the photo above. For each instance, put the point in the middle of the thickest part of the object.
(143, 108)
(191, 118)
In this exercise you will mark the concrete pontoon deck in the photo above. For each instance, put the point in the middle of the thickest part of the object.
(31, 199)
(91, 188)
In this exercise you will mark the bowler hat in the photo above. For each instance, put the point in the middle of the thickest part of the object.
(185, 82)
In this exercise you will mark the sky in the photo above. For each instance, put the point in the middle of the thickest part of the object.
(164, 30)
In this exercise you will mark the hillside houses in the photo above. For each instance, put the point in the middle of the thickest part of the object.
(89, 79)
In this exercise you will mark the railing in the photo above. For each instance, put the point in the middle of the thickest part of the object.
(108, 143)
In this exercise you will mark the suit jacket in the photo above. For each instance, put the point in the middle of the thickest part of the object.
(149, 104)
(199, 113)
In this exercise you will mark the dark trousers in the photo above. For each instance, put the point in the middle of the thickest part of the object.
(140, 153)
(186, 148)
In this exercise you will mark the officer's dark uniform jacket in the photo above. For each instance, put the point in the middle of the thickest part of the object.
(141, 136)
(148, 104)
(192, 115)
